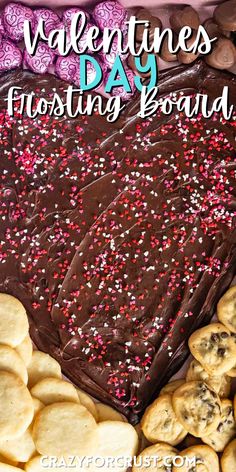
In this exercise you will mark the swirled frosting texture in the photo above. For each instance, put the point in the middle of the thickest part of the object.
(118, 238)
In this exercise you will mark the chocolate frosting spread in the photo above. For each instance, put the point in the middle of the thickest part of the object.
(118, 238)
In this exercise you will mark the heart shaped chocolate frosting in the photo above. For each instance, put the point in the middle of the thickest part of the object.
(119, 238)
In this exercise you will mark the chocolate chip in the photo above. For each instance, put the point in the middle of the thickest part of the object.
(223, 55)
(210, 406)
(224, 335)
(221, 352)
(225, 15)
(229, 421)
(185, 414)
(215, 337)
(185, 17)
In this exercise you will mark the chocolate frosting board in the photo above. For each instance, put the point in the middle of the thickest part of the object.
(119, 238)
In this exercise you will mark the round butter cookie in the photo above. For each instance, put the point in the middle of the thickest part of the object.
(20, 449)
(10, 361)
(160, 423)
(16, 406)
(25, 350)
(40, 464)
(197, 407)
(226, 429)
(115, 439)
(214, 348)
(9, 468)
(64, 428)
(38, 405)
(88, 402)
(42, 366)
(14, 324)
(4, 460)
(52, 390)
(226, 309)
(55, 464)
(107, 413)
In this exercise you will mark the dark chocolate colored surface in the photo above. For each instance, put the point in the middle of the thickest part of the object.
(225, 15)
(118, 238)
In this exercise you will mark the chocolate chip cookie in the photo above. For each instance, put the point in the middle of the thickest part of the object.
(159, 422)
(161, 452)
(220, 383)
(226, 309)
(197, 407)
(232, 372)
(226, 429)
(228, 459)
(198, 458)
(214, 348)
